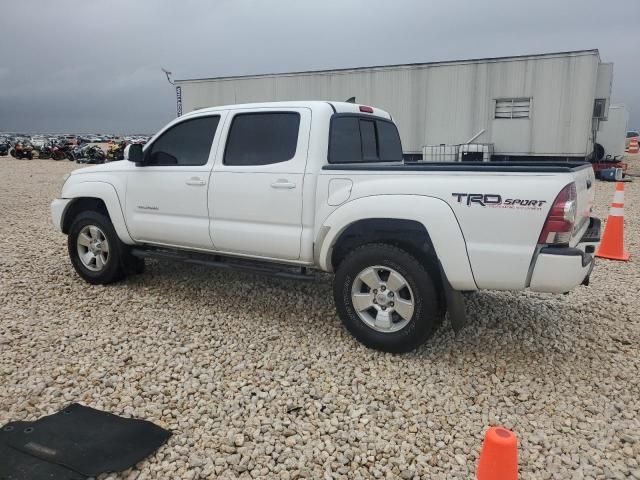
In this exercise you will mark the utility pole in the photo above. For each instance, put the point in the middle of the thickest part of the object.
(178, 92)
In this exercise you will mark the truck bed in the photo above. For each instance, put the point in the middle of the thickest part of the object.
(500, 237)
(541, 166)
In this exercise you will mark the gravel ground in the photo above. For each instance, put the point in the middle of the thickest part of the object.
(257, 378)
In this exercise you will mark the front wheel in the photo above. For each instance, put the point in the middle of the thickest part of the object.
(95, 249)
(386, 298)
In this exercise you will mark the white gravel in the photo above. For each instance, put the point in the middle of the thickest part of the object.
(257, 378)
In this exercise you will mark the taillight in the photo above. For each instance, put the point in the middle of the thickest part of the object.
(366, 109)
(562, 217)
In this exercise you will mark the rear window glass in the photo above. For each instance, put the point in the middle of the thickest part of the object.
(354, 138)
(344, 144)
(389, 141)
(368, 137)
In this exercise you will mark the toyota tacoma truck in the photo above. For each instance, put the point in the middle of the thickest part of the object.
(291, 187)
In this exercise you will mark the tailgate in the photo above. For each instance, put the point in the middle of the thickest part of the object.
(585, 189)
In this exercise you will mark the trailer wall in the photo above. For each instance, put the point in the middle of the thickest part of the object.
(446, 103)
(612, 133)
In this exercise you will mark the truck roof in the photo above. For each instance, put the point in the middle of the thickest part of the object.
(337, 107)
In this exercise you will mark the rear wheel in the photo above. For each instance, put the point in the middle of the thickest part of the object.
(386, 298)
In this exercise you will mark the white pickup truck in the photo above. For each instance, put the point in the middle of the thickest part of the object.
(283, 188)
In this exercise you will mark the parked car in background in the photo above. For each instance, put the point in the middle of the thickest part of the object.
(70, 139)
(4, 147)
(38, 141)
(403, 239)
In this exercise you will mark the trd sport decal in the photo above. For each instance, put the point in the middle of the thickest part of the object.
(495, 200)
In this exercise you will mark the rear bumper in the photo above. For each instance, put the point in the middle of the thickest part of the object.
(559, 269)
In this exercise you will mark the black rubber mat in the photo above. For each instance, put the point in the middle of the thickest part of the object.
(15, 465)
(89, 441)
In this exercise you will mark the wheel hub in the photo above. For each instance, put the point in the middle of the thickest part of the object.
(382, 298)
(93, 248)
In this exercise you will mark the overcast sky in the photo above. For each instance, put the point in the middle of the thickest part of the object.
(94, 66)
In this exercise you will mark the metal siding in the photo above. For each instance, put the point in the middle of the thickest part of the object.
(445, 103)
(604, 83)
(612, 132)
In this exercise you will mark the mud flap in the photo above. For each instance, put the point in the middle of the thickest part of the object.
(455, 303)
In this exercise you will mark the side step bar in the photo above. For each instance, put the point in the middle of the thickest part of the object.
(258, 268)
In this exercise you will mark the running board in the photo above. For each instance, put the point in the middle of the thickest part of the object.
(217, 261)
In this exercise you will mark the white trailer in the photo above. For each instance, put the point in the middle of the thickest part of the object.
(546, 105)
(612, 133)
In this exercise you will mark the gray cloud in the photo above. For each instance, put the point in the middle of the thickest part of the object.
(81, 65)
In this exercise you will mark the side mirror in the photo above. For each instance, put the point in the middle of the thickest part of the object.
(133, 153)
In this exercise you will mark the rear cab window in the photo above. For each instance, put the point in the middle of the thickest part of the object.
(357, 138)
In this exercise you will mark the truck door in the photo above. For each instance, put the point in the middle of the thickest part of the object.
(255, 196)
(166, 198)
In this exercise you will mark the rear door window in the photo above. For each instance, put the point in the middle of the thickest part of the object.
(354, 138)
(262, 138)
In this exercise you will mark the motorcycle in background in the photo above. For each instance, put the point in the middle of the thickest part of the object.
(44, 151)
(90, 154)
(116, 151)
(61, 151)
(22, 150)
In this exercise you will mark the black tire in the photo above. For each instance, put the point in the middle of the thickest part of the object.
(427, 313)
(113, 268)
(598, 152)
(12, 152)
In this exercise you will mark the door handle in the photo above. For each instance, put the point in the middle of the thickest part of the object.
(284, 184)
(196, 181)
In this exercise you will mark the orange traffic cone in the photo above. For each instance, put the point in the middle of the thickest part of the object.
(499, 455)
(612, 244)
(634, 146)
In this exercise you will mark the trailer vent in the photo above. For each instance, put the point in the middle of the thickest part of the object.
(599, 108)
(513, 108)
